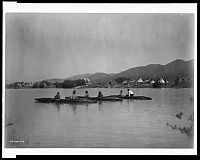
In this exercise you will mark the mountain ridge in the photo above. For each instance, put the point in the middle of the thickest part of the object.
(169, 71)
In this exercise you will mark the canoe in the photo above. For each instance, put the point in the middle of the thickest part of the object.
(138, 98)
(106, 98)
(67, 100)
(134, 97)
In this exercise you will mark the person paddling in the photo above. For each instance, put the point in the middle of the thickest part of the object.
(121, 93)
(100, 95)
(86, 94)
(57, 96)
(74, 96)
(130, 93)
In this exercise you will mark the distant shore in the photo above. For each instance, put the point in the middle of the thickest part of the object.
(82, 87)
(121, 82)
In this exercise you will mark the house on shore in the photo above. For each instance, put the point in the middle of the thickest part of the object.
(87, 81)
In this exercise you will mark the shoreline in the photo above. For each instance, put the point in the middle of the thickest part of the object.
(102, 87)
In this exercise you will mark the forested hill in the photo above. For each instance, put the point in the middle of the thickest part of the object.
(170, 71)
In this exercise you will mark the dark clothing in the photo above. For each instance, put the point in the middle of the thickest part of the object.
(86, 95)
(100, 94)
(57, 96)
(74, 96)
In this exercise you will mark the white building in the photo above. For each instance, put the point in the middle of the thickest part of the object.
(87, 80)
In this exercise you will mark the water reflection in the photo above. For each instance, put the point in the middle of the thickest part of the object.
(74, 107)
(58, 107)
(129, 101)
(104, 103)
(86, 107)
(100, 104)
(128, 108)
(104, 119)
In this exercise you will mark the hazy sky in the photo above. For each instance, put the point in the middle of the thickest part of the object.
(42, 46)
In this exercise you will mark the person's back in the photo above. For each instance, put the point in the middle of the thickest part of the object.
(121, 93)
(74, 96)
(57, 96)
(100, 94)
(86, 94)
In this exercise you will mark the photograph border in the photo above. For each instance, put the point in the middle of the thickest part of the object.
(14, 7)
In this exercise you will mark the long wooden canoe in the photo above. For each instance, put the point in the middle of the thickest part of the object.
(134, 97)
(66, 100)
(106, 98)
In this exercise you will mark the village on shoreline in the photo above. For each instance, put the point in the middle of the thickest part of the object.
(179, 82)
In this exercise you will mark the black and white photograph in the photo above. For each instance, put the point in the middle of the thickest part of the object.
(99, 79)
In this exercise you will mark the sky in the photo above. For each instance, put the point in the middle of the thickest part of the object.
(40, 46)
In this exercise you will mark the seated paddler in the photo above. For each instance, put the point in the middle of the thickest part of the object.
(121, 93)
(86, 94)
(100, 95)
(57, 96)
(130, 93)
(74, 96)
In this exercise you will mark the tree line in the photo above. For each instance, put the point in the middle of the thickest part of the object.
(65, 84)
(47, 84)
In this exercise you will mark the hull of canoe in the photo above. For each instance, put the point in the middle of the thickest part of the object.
(138, 98)
(51, 100)
(134, 97)
(106, 98)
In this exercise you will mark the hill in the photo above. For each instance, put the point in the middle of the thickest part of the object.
(95, 78)
(170, 71)
(54, 80)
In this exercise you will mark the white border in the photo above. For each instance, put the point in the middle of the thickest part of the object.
(101, 8)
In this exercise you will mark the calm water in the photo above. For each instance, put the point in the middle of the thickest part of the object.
(129, 124)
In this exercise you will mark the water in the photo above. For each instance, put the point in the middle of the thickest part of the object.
(127, 124)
